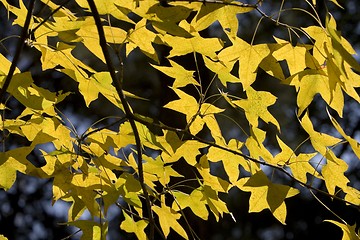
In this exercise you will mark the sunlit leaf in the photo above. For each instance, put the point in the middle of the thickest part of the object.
(267, 195)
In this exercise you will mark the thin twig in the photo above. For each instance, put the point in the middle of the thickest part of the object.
(49, 16)
(118, 86)
(261, 162)
(19, 47)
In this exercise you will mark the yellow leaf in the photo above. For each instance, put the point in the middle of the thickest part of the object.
(143, 38)
(231, 161)
(216, 205)
(20, 13)
(349, 232)
(333, 172)
(214, 182)
(221, 70)
(194, 200)
(2, 237)
(256, 147)
(129, 225)
(91, 229)
(129, 188)
(165, 21)
(320, 141)
(310, 82)
(255, 106)
(225, 14)
(294, 56)
(321, 40)
(267, 195)
(355, 145)
(341, 49)
(249, 56)
(186, 105)
(88, 32)
(188, 150)
(157, 167)
(182, 76)
(352, 195)
(108, 7)
(168, 218)
(300, 165)
(182, 46)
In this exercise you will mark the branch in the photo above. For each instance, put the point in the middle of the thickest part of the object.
(47, 18)
(261, 162)
(19, 47)
(234, 3)
(129, 115)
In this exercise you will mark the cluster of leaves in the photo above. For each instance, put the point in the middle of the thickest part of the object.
(132, 167)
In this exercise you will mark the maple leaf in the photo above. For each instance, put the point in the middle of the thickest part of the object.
(90, 37)
(266, 195)
(333, 172)
(168, 218)
(294, 56)
(349, 232)
(256, 147)
(320, 141)
(299, 164)
(255, 106)
(186, 105)
(310, 82)
(249, 56)
(131, 226)
(194, 201)
(91, 229)
(182, 76)
(225, 14)
(182, 46)
(142, 38)
(231, 161)
(355, 146)
(221, 70)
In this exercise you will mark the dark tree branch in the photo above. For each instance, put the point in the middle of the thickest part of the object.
(261, 162)
(19, 47)
(118, 86)
(48, 17)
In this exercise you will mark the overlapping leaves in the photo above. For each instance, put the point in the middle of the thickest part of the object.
(102, 163)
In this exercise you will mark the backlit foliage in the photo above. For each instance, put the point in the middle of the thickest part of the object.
(132, 166)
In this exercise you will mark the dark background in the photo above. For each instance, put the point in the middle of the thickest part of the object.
(26, 211)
